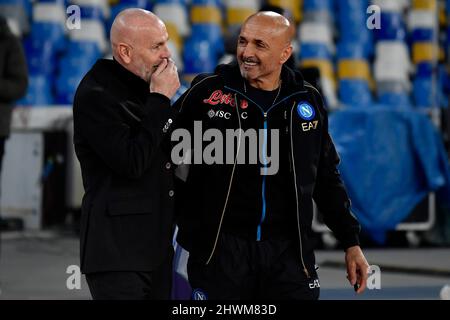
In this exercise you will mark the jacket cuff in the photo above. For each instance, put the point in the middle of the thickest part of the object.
(160, 114)
(350, 240)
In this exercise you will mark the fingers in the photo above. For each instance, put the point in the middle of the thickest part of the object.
(357, 275)
(363, 274)
(357, 268)
(165, 78)
(172, 66)
(351, 273)
(161, 67)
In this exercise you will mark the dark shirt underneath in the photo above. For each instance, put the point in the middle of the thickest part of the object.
(245, 206)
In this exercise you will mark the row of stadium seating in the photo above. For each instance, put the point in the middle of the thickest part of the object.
(399, 64)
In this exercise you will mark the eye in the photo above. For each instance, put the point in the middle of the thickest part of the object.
(261, 45)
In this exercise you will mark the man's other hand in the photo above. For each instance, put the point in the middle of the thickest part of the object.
(357, 268)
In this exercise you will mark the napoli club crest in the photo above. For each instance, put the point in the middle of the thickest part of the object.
(305, 111)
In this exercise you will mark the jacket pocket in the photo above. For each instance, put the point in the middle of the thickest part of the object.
(130, 206)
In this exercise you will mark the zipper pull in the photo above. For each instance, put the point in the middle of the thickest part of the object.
(306, 272)
(265, 115)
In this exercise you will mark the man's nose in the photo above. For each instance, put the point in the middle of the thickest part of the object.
(248, 52)
(166, 54)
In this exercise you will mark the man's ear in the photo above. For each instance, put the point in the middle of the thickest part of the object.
(124, 51)
(286, 54)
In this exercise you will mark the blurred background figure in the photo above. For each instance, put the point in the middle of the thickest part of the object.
(13, 85)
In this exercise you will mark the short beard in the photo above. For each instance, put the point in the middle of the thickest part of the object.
(244, 74)
(143, 72)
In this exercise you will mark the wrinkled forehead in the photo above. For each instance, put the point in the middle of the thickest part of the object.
(266, 30)
(151, 33)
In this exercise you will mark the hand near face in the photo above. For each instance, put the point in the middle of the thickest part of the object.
(165, 79)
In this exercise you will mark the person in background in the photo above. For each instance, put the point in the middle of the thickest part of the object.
(13, 85)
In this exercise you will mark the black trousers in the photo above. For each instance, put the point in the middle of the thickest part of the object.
(129, 285)
(244, 269)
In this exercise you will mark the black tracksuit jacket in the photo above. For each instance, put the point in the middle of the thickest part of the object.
(308, 160)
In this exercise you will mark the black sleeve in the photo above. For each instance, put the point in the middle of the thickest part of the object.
(330, 194)
(187, 106)
(127, 151)
(186, 103)
(14, 79)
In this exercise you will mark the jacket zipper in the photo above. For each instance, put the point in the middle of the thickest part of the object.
(229, 185)
(305, 270)
(263, 191)
(265, 113)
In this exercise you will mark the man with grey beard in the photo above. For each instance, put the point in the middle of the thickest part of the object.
(121, 114)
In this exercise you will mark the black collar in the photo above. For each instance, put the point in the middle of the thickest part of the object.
(292, 79)
(132, 80)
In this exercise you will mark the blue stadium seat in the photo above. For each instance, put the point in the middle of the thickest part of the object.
(314, 51)
(393, 27)
(211, 33)
(41, 57)
(422, 35)
(85, 48)
(352, 14)
(39, 91)
(423, 85)
(424, 69)
(135, 3)
(317, 5)
(351, 50)
(352, 18)
(395, 99)
(198, 56)
(61, 2)
(423, 92)
(76, 63)
(215, 3)
(92, 12)
(49, 32)
(66, 84)
(354, 93)
(351, 5)
(183, 2)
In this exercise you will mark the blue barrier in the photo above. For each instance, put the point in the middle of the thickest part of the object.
(390, 160)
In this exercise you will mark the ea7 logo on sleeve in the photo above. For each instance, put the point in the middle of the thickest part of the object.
(314, 284)
(311, 125)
